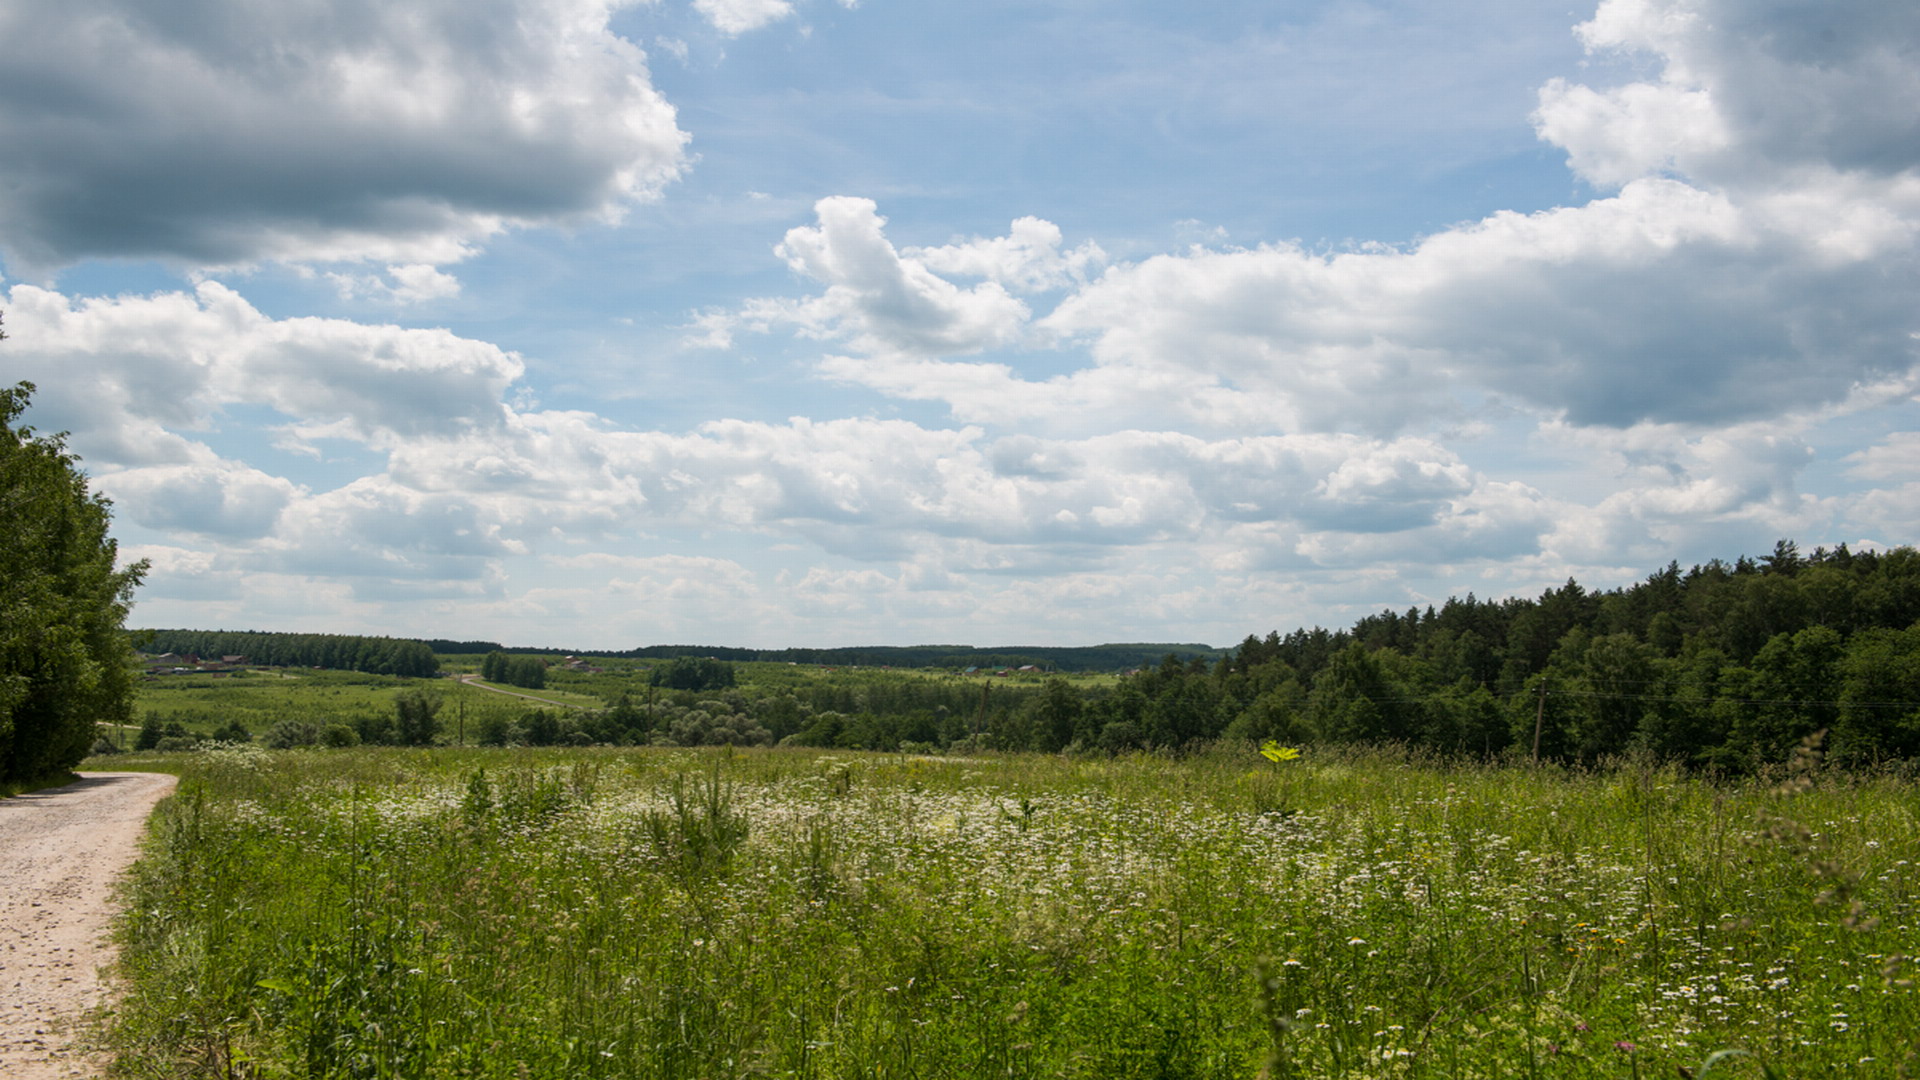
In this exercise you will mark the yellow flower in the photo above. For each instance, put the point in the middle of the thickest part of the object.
(1276, 753)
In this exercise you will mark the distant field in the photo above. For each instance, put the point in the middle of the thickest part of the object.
(258, 699)
(798, 913)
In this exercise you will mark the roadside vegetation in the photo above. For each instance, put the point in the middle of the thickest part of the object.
(728, 912)
(64, 657)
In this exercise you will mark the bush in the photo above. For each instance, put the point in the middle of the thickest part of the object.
(288, 734)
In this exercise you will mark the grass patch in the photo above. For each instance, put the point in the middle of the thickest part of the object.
(629, 913)
(28, 787)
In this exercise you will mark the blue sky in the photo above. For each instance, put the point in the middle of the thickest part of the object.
(806, 322)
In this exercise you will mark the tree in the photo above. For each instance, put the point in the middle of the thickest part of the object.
(416, 717)
(65, 662)
(526, 672)
(694, 673)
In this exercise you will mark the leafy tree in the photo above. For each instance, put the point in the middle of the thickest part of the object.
(151, 732)
(1880, 683)
(493, 667)
(1058, 718)
(694, 673)
(1617, 677)
(416, 718)
(65, 664)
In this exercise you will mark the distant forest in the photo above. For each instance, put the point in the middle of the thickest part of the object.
(1079, 658)
(344, 652)
(1722, 665)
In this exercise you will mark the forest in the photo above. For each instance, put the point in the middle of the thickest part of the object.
(341, 652)
(1721, 666)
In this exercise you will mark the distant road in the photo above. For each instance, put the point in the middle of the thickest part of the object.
(61, 850)
(474, 680)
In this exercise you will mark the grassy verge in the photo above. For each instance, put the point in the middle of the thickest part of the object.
(603, 913)
(28, 787)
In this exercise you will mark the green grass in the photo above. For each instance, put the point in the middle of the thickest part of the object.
(624, 913)
(28, 787)
(261, 698)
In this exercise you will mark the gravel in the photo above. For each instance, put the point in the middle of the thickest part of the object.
(61, 850)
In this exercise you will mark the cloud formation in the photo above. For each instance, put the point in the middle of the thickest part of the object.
(221, 132)
(736, 17)
(1755, 256)
(1148, 446)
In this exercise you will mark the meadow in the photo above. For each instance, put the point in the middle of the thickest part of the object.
(260, 698)
(722, 912)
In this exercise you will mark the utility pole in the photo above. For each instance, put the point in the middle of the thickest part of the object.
(1539, 716)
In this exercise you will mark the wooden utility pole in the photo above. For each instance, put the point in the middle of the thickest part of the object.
(1539, 716)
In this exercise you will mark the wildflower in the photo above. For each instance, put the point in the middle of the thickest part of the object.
(1276, 753)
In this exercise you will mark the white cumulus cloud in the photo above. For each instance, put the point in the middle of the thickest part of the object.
(222, 132)
(736, 17)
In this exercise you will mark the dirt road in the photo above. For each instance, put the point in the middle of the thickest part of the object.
(474, 680)
(60, 851)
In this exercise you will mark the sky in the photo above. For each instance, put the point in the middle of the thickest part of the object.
(771, 323)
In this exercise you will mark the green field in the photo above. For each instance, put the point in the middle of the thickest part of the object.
(784, 912)
(261, 698)
(857, 707)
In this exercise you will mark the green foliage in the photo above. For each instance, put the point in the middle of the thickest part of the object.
(342, 652)
(416, 718)
(1724, 666)
(1707, 667)
(526, 672)
(1343, 914)
(288, 734)
(694, 673)
(64, 658)
(699, 829)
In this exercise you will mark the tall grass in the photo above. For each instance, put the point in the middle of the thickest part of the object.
(776, 913)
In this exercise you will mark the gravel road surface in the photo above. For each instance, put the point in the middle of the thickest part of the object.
(61, 850)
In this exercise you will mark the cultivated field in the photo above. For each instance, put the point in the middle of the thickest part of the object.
(718, 913)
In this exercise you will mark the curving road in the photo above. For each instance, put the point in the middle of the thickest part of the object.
(61, 851)
(474, 681)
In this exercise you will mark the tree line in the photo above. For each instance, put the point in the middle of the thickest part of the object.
(1724, 665)
(341, 652)
(1075, 658)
